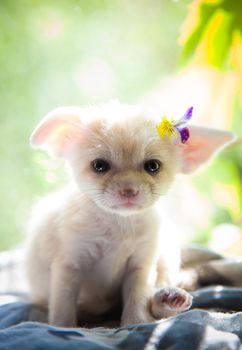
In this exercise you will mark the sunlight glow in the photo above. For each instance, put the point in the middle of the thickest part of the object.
(223, 236)
(96, 79)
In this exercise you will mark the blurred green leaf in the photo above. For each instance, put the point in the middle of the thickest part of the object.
(205, 13)
(211, 39)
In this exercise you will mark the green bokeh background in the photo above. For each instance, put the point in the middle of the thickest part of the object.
(44, 47)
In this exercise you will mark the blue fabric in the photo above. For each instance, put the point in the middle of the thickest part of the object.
(17, 333)
(191, 330)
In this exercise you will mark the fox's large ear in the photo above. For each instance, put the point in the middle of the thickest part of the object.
(59, 131)
(203, 144)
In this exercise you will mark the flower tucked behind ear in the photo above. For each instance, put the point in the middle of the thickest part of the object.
(166, 127)
(170, 128)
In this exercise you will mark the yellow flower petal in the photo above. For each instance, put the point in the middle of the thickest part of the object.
(166, 128)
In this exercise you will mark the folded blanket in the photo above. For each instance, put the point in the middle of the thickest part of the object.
(22, 324)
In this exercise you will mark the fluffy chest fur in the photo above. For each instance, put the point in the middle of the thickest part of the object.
(98, 244)
(105, 252)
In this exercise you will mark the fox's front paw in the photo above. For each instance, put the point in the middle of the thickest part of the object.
(169, 301)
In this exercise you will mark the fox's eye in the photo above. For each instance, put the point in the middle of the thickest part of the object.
(152, 166)
(100, 166)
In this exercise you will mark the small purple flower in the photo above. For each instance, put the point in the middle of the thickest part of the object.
(187, 116)
(181, 125)
(184, 132)
(185, 119)
(169, 127)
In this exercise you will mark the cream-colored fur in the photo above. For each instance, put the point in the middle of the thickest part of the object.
(90, 245)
